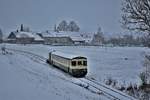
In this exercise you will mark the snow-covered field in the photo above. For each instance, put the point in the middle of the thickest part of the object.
(28, 79)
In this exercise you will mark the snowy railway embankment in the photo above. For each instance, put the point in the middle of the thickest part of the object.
(88, 84)
(26, 76)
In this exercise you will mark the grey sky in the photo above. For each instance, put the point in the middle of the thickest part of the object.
(41, 15)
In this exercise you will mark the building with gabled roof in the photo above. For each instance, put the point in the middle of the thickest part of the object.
(67, 38)
(24, 38)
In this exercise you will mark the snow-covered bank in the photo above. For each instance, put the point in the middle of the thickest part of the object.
(23, 78)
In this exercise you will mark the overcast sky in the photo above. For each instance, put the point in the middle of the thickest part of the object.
(41, 15)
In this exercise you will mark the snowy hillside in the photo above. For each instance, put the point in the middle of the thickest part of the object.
(24, 78)
(30, 78)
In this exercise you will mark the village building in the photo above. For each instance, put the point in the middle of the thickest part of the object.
(62, 38)
(98, 39)
(24, 38)
(58, 40)
(78, 41)
(51, 39)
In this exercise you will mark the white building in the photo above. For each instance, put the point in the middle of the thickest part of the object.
(64, 38)
(24, 38)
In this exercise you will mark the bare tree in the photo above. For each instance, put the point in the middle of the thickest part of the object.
(62, 26)
(73, 27)
(136, 15)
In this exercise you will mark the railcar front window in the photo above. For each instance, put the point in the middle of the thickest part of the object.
(85, 63)
(79, 63)
(73, 63)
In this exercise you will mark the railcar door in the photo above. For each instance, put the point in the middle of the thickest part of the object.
(50, 57)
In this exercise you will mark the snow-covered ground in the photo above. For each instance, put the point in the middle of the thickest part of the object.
(24, 78)
(121, 63)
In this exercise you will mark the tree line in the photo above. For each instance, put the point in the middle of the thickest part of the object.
(126, 40)
(64, 26)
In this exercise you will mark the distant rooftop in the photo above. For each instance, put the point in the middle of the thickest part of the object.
(28, 35)
(75, 36)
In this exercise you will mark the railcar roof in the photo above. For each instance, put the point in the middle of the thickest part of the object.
(66, 55)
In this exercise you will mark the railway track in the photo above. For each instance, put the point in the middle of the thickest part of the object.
(87, 83)
(99, 90)
(29, 54)
(117, 95)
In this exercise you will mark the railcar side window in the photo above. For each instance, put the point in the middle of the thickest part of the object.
(79, 62)
(73, 63)
(85, 63)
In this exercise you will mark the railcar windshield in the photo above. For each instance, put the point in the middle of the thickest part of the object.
(73, 63)
(79, 63)
(85, 63)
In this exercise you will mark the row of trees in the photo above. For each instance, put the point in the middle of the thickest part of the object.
(127, 40)
(64, 26)
(120, 40)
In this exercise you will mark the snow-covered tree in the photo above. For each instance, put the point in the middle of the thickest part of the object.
(136, 15)
(62, 26)
(73, 27)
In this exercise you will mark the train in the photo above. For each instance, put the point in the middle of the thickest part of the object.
(73, 64)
